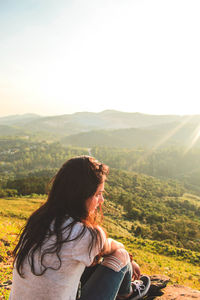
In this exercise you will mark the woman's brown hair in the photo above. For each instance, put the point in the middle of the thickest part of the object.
(75, 182)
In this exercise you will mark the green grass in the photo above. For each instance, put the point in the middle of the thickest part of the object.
(14, 212)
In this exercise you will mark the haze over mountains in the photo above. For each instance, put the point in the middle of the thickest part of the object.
(109, 128)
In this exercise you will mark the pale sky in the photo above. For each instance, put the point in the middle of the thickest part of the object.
(63, 56)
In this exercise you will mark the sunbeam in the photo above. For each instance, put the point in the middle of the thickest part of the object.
(167, 136)
(172, 132)
(195, 138)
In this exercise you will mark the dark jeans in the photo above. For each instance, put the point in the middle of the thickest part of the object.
(102, 283)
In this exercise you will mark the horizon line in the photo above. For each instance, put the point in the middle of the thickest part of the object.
(94, 112)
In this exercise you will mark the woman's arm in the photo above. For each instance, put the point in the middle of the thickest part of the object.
(111, 246)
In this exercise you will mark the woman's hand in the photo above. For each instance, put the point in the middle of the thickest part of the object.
(136, 270)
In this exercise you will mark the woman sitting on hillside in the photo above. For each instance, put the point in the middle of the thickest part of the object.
(62, 238)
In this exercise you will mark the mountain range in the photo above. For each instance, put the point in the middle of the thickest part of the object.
(109, 128)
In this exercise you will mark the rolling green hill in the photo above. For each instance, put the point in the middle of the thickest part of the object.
(172, 134)
(161, 210)
(21, 156)
(170, 162)
(6, 130)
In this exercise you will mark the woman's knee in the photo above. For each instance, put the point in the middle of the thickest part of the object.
(117, 260)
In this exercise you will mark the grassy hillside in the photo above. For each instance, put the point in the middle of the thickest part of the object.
(13, 213)
(160, 209)
(153, 257)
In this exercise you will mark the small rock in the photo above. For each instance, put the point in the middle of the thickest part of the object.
(6, 283)
(160, 281)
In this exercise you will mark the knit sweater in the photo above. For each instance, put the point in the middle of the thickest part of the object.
(61, 284)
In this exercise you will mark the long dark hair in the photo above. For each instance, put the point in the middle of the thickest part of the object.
(75, 182)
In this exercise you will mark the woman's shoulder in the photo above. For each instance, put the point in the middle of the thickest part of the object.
(79, 228)
(74, 228)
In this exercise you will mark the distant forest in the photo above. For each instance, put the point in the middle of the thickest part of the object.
(170, 162)
(21, 158)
